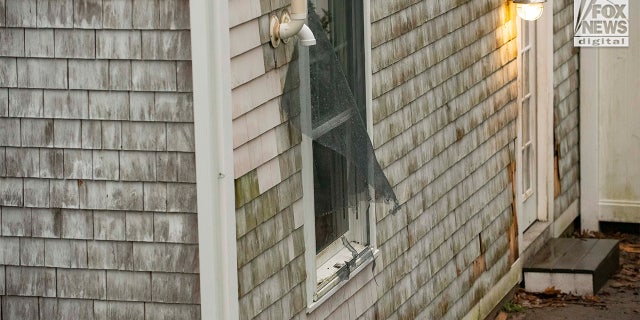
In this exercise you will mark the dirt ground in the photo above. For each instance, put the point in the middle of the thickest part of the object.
(619, 299)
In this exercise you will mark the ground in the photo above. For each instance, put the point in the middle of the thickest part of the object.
(619, 299)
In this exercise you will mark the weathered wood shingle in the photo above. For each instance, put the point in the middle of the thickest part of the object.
(66, 104)
(42, 73)
(81, 284)
(64, 253)
(21, 13)
(39, 43)
(22, 281)
(55, 13)
(118, 310)
(175, 288)
(89, 74)
(4, 102)
(12, 42)
(16, 222)
(14, 307)
(67, 134)
(75, 43)
(153, 75)
(36, 193)
(2, 13)
(87, 14)
(63, 193)
(36, 132)
(109, 225)
(118, 44)
(166, 45)
(117, 14)
(22, 162)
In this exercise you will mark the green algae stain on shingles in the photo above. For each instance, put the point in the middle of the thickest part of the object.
(246, 188)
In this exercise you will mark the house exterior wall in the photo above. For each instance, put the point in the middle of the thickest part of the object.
(444, 111)
(566, 107)
(95, 102)
(97, 173)
(267, 165)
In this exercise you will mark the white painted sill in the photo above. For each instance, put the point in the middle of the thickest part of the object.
(341, 256)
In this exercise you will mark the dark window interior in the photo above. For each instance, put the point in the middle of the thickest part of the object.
(342, 22)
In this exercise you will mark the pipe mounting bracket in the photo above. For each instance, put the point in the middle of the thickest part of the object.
(274, 27)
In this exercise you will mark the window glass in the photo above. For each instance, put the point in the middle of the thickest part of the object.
(335, 184)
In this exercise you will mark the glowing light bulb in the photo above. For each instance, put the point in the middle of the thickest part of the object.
(529, 11)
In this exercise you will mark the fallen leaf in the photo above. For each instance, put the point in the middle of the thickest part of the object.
(631, 248)
(552, 291)
(501, 316)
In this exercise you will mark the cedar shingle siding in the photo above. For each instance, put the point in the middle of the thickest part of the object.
(444, 110)
(444, 88)
(97, 168)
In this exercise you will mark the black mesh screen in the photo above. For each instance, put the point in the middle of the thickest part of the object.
(336, 123)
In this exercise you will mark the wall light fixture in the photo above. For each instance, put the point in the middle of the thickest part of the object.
(529, 9)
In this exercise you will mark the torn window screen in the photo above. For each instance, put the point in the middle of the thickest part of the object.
(336, 125)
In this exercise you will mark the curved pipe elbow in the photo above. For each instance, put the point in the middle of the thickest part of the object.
(298, 27)
(306, 36)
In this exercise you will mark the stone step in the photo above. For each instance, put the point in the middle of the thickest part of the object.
(578, 266)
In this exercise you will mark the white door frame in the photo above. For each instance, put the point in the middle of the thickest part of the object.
(589, 136)
(544, 97)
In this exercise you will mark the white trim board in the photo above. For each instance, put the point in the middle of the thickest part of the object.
(561, 223)
(217, 245)
(545, 115)
(618, 211)
(589, 136)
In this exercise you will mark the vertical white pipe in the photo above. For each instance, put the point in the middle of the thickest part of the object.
(299, 9)
(306, 150)
(214, 159)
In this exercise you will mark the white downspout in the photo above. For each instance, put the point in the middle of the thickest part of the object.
(287, 28)
(298, 27)
(214, 159)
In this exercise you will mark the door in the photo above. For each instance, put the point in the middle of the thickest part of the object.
(527, 146)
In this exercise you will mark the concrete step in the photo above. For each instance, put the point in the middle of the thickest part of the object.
(578, 266)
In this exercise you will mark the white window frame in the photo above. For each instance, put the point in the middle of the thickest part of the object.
(315, 262)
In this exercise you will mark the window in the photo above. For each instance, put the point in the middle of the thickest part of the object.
(335, 191)
(337, 200)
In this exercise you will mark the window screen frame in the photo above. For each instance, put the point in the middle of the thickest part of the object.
(317, 295)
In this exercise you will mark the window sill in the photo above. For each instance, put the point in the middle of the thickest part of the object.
(327, 295)
(328, 269)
